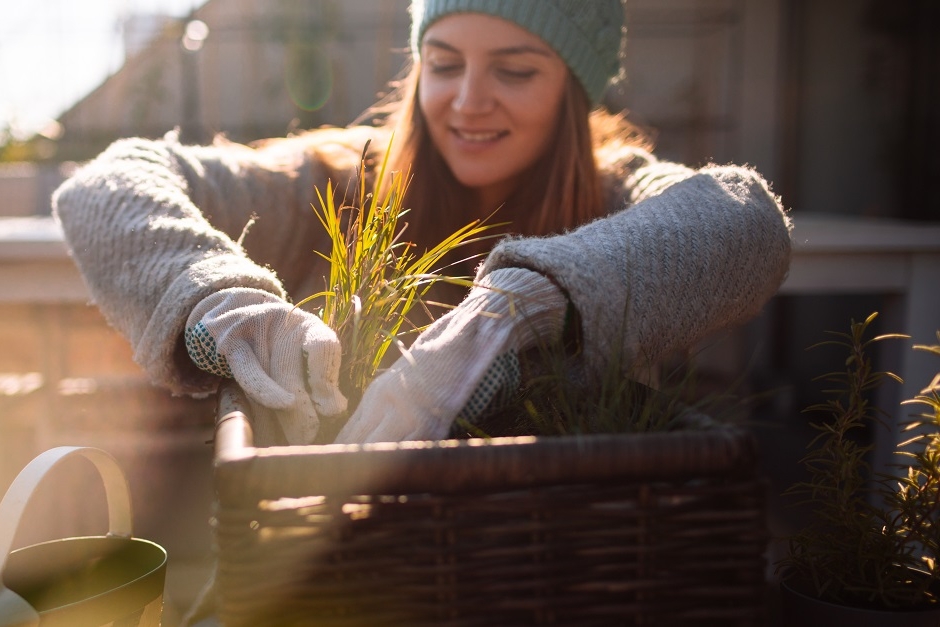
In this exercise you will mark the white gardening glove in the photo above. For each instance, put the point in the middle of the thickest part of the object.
(510, 309)
(284, 359)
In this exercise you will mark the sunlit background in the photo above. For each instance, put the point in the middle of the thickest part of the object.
(53, 52)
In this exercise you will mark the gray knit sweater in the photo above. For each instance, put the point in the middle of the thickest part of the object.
(155, 226)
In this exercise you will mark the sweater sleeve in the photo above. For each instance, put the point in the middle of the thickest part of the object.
(689, 253)
(156, 226)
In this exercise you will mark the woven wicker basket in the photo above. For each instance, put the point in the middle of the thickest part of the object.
(656, 529)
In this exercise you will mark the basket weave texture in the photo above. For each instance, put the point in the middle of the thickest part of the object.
(652, 529)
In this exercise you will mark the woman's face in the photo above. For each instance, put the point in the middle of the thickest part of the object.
(491, 94)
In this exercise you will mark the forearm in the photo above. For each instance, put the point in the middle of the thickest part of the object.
(146, 251)
(687, 259)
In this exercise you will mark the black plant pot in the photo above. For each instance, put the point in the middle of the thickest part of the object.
(803, 610)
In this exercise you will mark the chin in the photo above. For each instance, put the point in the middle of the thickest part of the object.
(477, 180)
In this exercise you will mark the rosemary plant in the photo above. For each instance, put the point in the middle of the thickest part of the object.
(916, 502)
(555, 401)
(872, 541)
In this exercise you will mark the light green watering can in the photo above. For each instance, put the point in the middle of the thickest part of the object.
(100, 581)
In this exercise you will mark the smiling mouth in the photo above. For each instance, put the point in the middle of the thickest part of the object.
(479, 136)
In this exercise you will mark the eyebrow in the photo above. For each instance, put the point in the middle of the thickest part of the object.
(509, 50)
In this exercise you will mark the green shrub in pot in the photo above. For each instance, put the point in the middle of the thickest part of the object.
(871, 542)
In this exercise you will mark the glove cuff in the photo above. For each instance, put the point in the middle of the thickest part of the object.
(531, 300)
(231, 298)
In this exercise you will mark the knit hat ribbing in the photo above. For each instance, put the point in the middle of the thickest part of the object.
(586, 34)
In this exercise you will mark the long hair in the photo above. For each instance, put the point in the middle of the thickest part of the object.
(560, 191)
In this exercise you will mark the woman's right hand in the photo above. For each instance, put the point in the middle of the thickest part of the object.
(283, 358)
(418, 398)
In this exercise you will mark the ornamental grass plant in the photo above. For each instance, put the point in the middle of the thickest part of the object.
(872, 541)
(376, 276)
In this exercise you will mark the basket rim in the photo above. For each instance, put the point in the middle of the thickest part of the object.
(243, 471)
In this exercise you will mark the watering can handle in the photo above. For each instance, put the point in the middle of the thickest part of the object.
(18, 495)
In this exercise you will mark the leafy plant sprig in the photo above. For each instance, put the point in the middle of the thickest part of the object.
(918, 492)
(554, 402)
(376, 276)
(872, 541)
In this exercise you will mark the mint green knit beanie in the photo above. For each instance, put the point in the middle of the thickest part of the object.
(586, 34)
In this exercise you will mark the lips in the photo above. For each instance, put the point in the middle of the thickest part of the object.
(481, 137)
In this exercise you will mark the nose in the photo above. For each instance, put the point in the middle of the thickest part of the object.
(473, 95)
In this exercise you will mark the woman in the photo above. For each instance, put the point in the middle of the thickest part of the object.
(495, 113)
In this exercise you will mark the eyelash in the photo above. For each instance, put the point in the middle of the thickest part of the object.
(444, 68)
(517, 75)
(510, 75)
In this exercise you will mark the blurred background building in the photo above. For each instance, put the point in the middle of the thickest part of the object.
(834, 101)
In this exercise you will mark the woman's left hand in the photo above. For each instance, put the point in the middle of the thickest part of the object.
(510, 309)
